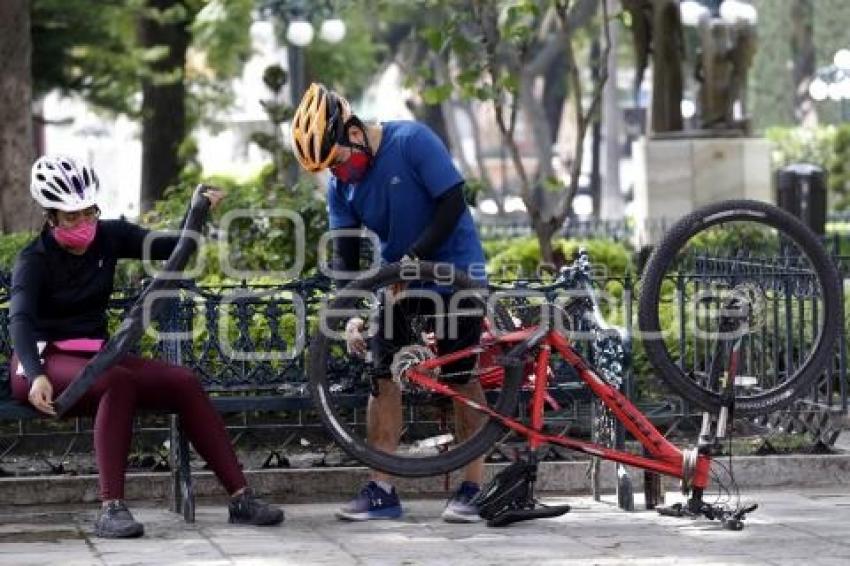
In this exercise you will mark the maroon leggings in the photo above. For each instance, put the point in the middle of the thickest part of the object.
(138, 383)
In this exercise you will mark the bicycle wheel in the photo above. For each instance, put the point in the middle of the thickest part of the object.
(341, 384)
(740, 288)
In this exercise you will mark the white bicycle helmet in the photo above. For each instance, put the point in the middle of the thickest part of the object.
(63, 183)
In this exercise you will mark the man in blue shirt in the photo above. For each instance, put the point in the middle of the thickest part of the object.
(396, 179)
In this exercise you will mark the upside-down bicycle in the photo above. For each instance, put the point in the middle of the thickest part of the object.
(757, 329)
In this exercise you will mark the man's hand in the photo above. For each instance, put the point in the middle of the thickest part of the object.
(355, 342)
(41, 395)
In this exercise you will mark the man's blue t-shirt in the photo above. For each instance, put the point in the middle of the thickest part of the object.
(397, 197)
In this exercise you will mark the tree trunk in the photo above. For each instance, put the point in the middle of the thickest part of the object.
(17, 210)
(611, 206)
(667, 79)
(163, 104)
(483, 173)
(537, 200)
(595, 133)
(450, 134)
(803, 57)
(555, 92)
(545, 231)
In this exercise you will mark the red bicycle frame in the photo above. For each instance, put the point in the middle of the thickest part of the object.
(664, 456)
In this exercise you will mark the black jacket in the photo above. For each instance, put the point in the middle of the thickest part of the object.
(57, 295)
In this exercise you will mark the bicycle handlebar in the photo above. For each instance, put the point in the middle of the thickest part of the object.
(569, 277)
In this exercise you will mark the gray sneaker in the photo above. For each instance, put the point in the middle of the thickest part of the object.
(116, 521)
(248, 509)
(460, 508)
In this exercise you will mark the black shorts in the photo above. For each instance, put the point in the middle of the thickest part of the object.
(416, 315)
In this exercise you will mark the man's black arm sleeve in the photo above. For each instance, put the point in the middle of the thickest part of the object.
(346, 256)
(450, 207)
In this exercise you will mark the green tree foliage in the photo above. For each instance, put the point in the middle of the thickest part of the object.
(771, 85)
(497, 53)
(771, 88)
(177, 53)
(221, 43)
(349, 66)
(271, 139)
(831, 33)
(253, 242)
(521, 257)
(220, 32)
(10, 245)
(95, 52)
(260, 240)
(90, 52)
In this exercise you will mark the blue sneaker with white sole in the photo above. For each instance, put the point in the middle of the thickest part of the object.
(460, 508)
(373, 502)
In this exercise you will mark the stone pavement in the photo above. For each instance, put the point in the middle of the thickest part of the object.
(808, 526)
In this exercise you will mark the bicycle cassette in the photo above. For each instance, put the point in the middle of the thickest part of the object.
(408, 357)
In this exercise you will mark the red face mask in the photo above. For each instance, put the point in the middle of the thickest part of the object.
(353, 169)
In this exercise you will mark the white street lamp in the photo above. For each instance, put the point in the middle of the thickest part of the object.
(818, 89)
(842, 59)
(299, 33)
(749, 14)
(489, 207)
(583, 204)
(332, 31)
(514, 204)
(734, 11)
(691, 12)
(263, 35)
(833, 82)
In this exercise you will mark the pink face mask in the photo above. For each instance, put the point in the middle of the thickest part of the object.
(78, 237)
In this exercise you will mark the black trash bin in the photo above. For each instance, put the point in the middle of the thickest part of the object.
(801, 190)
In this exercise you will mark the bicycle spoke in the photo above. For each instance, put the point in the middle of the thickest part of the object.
(409, 327)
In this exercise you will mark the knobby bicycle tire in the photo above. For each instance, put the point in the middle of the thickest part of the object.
(456, 457)
(654, 274)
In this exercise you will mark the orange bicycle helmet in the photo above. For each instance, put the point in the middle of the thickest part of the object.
(317, 126)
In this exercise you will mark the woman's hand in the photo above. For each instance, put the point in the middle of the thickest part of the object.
(214, 196)
(41, 395)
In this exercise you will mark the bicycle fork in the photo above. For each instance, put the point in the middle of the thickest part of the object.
(708, 440)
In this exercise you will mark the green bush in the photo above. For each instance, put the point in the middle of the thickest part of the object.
(252, 244)
(10, 245)
(520, 257)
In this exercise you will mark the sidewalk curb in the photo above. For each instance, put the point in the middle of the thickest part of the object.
(322, 484)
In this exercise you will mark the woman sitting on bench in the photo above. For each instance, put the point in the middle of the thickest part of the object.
(61, 286)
